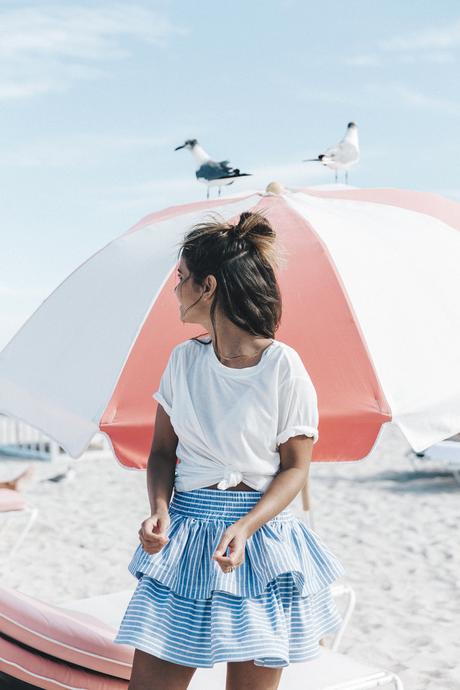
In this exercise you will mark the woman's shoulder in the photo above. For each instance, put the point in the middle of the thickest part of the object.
(287, 353)
(188, 346)
(291, 364)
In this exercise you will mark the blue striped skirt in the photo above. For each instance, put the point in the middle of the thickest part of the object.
(273, 609)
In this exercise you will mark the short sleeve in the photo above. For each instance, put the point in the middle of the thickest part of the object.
(165, 393)
(298, 409)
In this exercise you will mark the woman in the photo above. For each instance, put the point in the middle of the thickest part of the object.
(18, 482)
(227, 572)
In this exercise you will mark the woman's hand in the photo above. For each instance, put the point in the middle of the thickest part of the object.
(234, 537)
(152, 533)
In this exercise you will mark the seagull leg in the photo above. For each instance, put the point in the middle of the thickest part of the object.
(346, 176)
(336, 175)
(207, 193)
(220, 188)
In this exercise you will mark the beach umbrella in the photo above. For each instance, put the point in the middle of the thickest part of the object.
(370, 295)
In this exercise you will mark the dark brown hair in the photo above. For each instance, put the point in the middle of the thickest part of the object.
(243, 258)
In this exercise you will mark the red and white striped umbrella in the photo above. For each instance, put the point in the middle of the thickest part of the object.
(370, 293)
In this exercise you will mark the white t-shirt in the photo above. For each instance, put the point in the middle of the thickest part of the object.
(229, 422)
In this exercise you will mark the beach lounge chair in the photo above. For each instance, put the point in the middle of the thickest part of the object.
(14, 513)
(70, 646)
(330, 671)
(51, 647)
(444, 455)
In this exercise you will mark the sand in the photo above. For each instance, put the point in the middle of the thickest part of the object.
(395, 530)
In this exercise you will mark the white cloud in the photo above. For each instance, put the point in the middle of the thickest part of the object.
(90, 33)
(382, 58)
(417, 99)
(440, 58)
(382, 94)
(439, 38)
(45, 49)
(364, 60)
(78, 149)
(13, 90)
(426, 45)
(331, 97)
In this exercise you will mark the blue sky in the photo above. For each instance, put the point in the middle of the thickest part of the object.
(95, 96)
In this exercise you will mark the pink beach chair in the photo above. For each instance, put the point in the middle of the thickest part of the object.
(444, 455)
(70, 646)
(52, 647)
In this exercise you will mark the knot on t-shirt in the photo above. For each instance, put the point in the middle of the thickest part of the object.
(232, 477)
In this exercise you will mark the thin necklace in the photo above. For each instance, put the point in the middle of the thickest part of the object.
(234, 356)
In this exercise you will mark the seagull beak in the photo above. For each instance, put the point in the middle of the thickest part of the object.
(179, 147)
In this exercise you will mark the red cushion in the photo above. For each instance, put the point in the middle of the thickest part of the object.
(67, 635)
(11, 500)
(32, 667)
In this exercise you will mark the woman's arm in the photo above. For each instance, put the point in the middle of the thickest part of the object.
(295, 458)
(161, 464)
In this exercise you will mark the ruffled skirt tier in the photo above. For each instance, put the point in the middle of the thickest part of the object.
(273, 609)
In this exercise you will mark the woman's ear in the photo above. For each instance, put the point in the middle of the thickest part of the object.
(210, 283)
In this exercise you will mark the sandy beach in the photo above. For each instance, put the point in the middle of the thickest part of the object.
(395, 530)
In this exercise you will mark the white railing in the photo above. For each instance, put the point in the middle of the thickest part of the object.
(23, 441)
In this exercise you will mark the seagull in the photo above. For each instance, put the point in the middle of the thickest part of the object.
(67, 475)
(211, 173)
(344, 155)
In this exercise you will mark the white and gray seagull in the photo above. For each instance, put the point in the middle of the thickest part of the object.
(343, 155)
(212, 173)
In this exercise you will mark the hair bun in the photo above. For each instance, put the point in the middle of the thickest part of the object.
(252, 224)
(245, 216)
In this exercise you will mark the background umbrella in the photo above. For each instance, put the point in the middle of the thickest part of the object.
(370, 302)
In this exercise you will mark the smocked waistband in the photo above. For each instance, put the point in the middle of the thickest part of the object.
(215, 503)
